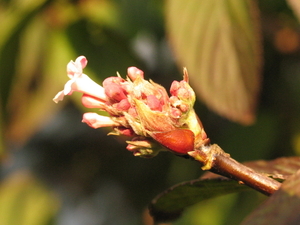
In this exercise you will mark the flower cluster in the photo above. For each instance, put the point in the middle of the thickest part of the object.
(139, 109)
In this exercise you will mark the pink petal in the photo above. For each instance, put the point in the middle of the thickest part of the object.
(74, 69)
(80, 82)
(59, 97)
(68, 87)
(87, 86)
(95, 120)
(81, 61)
(91, 102)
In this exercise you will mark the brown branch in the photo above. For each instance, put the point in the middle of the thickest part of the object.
(223, 164)
(230, 168)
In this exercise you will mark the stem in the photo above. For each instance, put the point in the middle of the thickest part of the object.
(230, 168)
(224, 165)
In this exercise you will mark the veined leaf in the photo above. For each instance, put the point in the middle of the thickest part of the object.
(170, 204)
(218, 42)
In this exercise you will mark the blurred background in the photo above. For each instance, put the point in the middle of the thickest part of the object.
(57, 171)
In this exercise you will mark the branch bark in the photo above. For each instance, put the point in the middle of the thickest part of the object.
(223, 164)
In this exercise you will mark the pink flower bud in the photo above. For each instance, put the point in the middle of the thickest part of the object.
(174, 88)
(112, 80)
(126, 132)
(123, 105)
(154, 103)
(134, 72)
(175, 113)
(115, 92)
(181, 90)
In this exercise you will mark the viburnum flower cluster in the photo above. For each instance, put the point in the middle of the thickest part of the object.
(139, 109)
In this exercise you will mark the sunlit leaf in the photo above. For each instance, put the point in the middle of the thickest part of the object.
(35, 61)
(170, 204)
(295, 5)
(281, 208)
(39, 77)
(218, 42)
(14, 18)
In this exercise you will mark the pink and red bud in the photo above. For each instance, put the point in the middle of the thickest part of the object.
(140, 109)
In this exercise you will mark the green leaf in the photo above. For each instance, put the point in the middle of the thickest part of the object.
(282, 208)
(40, 74)
(170, 204)
(14, 20)
(219, 43)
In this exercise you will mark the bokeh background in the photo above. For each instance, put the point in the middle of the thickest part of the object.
(57, 171)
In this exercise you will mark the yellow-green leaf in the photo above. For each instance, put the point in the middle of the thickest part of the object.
(218, 41)
(25, 201)
(295, 5)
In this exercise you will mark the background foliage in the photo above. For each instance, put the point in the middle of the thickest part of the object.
(55, 170)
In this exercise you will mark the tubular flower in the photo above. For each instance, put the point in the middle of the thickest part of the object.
(139, 109)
